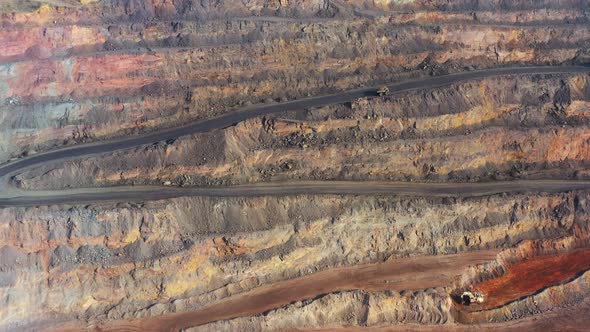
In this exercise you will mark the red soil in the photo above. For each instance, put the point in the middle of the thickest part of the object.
(532, 275)
(398, 274)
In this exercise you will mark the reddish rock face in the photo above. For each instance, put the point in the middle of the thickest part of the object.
(76, 72)
(529, 276)
(114, 68)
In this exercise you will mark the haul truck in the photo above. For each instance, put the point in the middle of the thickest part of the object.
(383, 91)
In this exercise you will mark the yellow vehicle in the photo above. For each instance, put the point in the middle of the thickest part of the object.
(468, 298)
(383, 91)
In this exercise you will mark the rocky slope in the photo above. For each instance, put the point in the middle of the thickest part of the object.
(76, 73)
(109, 262)
(81, 71)
(538, 125)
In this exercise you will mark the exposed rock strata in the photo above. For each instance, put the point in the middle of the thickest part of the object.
(79, 71)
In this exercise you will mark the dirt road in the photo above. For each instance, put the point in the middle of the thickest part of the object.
(143, 193)
(399, 274)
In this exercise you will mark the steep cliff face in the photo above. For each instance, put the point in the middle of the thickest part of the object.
(74, 73)
(538, 126)
(112, 262)
(83, 71)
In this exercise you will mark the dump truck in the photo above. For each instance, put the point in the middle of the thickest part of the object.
(383, 91)
(468, 298)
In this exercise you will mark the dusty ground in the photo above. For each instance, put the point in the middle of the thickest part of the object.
(80, 71)
(569, 319)
(441, 135)
(185, 254)
(397, 275)
(75, 73)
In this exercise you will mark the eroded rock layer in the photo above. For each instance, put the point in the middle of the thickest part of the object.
(79, 71)
(103, 263)
(74, 72)
(538, 126)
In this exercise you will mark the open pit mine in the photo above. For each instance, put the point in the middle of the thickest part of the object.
(295, 165)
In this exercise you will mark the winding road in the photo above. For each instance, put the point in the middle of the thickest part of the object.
(13, 197)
